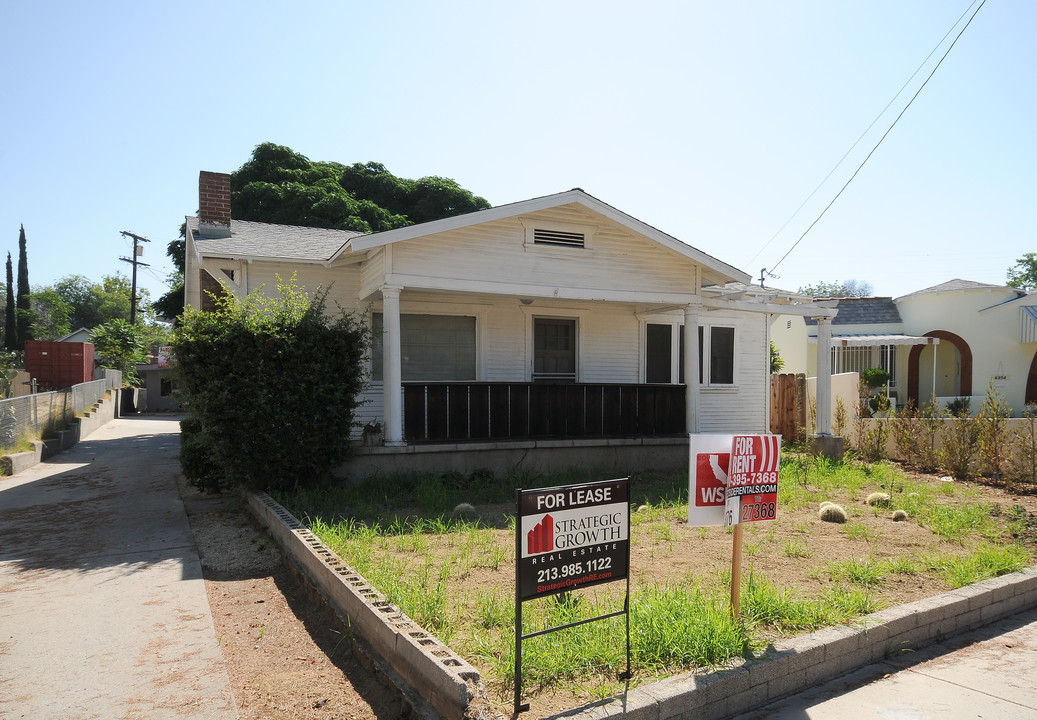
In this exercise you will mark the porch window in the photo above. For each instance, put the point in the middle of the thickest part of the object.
(554, 349)
(432, 347)
(851, 359)
(659, 345)
(721, 365)
(716, 354)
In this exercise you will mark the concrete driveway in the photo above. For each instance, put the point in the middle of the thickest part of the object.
(103, 612)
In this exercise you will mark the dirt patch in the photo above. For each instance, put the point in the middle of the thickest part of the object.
(285, 659)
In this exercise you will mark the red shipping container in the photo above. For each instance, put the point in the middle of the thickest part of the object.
(59, 365)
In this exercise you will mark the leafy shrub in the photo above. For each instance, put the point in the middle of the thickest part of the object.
(915, 433)
(1024, 456)
(959, 407)
(993, 432)
(271, 385)
(960, 445)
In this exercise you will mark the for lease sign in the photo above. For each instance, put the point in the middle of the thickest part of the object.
(572, 536)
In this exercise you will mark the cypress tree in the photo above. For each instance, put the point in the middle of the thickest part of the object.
(10, 324)
(23, 302)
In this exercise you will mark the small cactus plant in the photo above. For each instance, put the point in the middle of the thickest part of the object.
(878, 499)
(830, 512)
(899, 515)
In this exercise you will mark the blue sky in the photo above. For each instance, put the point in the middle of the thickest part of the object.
(712, 121)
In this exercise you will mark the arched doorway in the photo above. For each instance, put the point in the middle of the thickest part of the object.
(963, 379)
(1031, 383)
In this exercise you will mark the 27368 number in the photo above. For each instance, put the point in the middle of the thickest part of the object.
(759, 511)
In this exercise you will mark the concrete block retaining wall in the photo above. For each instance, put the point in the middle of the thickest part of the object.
(430, 668)
(80, 428)
(797, 664)
(787, 667)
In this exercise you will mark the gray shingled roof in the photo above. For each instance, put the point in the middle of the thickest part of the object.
(864, 311)
(256, 239)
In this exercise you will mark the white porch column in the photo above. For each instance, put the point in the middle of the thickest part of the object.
(392, 372)
(824, 377)
(691, 368)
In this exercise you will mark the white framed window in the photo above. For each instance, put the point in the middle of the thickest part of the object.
(717, 355)
(664, 354)
(432, 347)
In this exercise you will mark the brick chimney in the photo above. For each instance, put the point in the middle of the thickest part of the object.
(214, 204)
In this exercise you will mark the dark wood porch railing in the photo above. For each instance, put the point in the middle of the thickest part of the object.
(445, 412)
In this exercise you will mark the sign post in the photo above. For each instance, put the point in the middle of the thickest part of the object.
(733, 479)
(570, 537)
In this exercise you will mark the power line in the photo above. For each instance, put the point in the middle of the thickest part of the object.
(861, 136)
(137, 250)
(881, 139)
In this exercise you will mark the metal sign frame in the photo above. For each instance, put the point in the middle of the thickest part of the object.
(575, 536)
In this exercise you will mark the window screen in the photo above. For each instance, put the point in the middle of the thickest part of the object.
(432, 347)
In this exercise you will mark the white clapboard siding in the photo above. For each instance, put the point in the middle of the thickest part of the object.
(743, 408)
(495, 252)
(342, 284)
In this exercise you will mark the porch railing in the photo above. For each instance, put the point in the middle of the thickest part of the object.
(450, 412)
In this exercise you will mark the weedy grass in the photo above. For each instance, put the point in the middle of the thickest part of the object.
(403, 534)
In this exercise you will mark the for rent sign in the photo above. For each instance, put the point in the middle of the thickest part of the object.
(752, 485)
(571, 537)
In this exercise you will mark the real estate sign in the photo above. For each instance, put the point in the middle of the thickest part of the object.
(707, 487)
(752, 479)
(732, 478)
(571, 537)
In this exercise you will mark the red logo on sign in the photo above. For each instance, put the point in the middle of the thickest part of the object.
(711, 478)
(541, 538)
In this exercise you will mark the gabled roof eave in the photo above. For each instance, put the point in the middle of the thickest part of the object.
(727, 272)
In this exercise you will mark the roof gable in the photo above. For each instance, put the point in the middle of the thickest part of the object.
(716, 271)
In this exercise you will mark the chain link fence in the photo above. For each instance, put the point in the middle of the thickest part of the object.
(35, 415)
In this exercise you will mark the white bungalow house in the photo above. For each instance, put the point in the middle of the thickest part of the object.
(946, 341)
(551, 324)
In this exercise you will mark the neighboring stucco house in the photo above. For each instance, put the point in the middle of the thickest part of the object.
(947, 341)
(553, 320)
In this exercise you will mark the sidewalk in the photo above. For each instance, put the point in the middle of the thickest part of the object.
(987, 673)
(103, 612)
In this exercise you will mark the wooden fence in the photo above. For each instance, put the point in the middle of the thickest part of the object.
(789, 406)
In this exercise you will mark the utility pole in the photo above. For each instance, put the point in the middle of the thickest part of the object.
(138, 250)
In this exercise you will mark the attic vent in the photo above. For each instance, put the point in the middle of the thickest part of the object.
(558, 237)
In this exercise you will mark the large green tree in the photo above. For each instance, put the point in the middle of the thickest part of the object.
(93, 303)
(23, 302)
(50, 314)
(278, 185)
(1023, 274)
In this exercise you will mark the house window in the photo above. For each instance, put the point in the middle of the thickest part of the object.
(721, 366)
(165, 387)
(888, 362)
(659, 359)
(554, 350)
(658, 353)
(851, 359)
(716, 354)
(432, 347)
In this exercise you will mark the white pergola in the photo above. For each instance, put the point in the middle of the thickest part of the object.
(839, 342)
